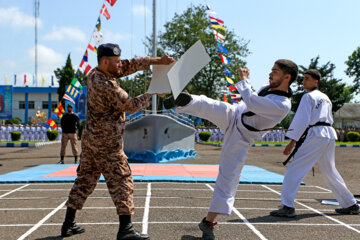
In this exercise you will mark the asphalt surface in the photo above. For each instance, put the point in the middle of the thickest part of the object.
(173, 210)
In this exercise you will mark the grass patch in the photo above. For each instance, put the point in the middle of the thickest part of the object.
(21, 141)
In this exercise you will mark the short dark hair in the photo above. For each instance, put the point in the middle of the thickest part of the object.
(288, 67)
(315, 74)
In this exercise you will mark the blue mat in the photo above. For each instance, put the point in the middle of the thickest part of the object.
(250, 175)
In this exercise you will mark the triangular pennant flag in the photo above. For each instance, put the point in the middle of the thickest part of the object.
(105, 12)
(209, 10)
(92, 48)
(54, 117)
(98, 24)
(219, 36)
(229, 80)
(224, 98)
(222, 48)
(227, 72)
(76, 83)
(225, 60)
(111, 2)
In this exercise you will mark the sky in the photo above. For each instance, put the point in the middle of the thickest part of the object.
(295, 30)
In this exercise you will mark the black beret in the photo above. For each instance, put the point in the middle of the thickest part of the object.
(109, 50)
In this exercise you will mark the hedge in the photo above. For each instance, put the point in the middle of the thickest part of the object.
(204, 136)
(52, 134)
(353, 136)
(15, 136)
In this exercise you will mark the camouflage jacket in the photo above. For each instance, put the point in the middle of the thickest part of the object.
(107, 103)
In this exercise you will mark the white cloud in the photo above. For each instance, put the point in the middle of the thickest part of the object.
(8, 64)
(68, 33)
(141, 10)
(15, 18)
(110, 36)
(48, 59)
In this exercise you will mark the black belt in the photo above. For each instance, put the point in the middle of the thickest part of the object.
(302, 139)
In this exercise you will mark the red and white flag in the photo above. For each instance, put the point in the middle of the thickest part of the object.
(224, 59)
(105, 12)
(221, 22)
(85, 66)
(111, 2)
(219, 36)
(235, 96)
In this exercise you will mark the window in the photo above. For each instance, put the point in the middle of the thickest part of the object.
(31, 104)
(21, 104)
(45, 105)
(54, 105)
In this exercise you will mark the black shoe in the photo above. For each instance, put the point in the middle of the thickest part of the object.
(352, 210)
(284, 212)
(75, 159)
(169, 103)
(69, 229)
(208, 229)
(131, 234)
(183, 99)
(61, 162)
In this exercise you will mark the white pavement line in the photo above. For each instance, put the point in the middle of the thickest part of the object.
(36, 226)
(145, 221)
(14, 190)
(247, 223)
(318, 212)
(324, 189)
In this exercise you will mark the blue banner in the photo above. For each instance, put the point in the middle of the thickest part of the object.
(6, 102)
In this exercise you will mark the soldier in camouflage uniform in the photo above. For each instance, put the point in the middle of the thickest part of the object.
(102, 142)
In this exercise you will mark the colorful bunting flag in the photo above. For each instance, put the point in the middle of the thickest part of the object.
(229, 80)
(43, 81)
(14, 79)
(235, 101)
(92, 48)
(105, 12)
(78, 72)
(71, 94)
(24, 79)
(50, 123)
(84, 65)
(209, 9)
(231, 88)
(227, 72)
(5, 79)
(235, 96)
(222, 48)
(218, 26)
(111, 2)
(224, 98)
(52, 80)
(225, 60)
(98, 24)
(216, 21)
(76, 83)
(34, 82)
(59, 110)
(219, 36)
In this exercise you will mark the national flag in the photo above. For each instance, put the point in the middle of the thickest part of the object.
(52, 80)
(50, 123)
(235, 96)
(5, 79)
(24, 79)
(224, 98)
(229, 80)
(111, 2)
(105, 12)
(92, 48)
(222, 48)
(98, 24)
(14, 79)
(225, 60)
(219, 36)
(209, 9)
(218, 26)
(71, 94)
(216, 20)
(76, 83)
(43, 81)
(34, 82)
(227, 72)
(59, 110)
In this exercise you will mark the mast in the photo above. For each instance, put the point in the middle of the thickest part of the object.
(154, 48)
(36, 15)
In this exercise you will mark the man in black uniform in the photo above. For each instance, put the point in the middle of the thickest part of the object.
(70, 122)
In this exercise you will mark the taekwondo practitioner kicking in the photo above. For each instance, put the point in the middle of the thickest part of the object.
(315, 142)
(241, 124)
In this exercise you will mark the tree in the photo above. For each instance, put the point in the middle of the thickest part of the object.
(353, 69)
(65, 75)
(187, 28)
(337, 91)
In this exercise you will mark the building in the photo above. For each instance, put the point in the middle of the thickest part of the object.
(23, 102)
(348, 116)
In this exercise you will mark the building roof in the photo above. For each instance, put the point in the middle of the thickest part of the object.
(348, 111)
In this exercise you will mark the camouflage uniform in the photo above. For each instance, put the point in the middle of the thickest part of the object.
(102, 142)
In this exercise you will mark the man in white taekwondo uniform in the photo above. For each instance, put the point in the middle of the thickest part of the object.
(240, 124)
(311, 126)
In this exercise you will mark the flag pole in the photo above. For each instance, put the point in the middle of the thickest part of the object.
(154, 48)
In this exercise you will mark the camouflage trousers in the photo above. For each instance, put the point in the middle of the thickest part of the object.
(73, 141)
(117, 174)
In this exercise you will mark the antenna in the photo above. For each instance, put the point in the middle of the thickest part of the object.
(36, 15)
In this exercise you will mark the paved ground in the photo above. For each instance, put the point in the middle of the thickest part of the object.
(172, 210)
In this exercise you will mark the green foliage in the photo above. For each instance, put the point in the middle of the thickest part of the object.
(337, 91)
(65, 75)
(353, 69)
(187, 28)
(15, 120)
(52, 134)
(353, 136)
(204, 136)
(81, 129)
(15, 136)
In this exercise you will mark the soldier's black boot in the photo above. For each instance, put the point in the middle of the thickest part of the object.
(61, 160)
(69, 226)
(75, 159)
(127, 230)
